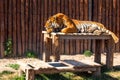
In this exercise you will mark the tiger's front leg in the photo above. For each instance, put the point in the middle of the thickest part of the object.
(69, 30)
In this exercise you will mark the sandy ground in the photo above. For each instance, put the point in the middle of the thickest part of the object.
(5, 62)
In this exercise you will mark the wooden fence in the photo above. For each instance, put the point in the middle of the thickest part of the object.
(23, 21)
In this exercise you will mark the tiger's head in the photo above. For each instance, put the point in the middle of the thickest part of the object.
(54, 24)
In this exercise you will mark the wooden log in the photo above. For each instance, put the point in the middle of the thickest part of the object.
(30, 74)
(26, 17)
(14, 26)
(109, 50)
(18, 30)
(56, 47)
(98, 51)
(46, 53)
(97, 73)
(2, 26)
(22, 27)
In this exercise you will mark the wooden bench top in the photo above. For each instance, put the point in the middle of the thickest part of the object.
(78, 35)
(68, 65)
(36, 66)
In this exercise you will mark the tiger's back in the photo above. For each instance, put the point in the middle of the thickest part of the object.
(93, 27)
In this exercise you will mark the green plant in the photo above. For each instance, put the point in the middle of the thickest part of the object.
(87, 53)
(14, 66)
(8, 47)
(19, 77)
(30, 54)
(6, 72)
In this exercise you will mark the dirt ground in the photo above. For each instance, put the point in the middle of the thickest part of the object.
(5, 62)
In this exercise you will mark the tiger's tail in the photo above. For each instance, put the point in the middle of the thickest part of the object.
(115, 38)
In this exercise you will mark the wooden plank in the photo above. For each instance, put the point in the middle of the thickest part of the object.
(6, 21)
(26, 17)
(54, 7)
(1, 7)
(98, 51)
(90, 4)
(62, 4)
(70, 8)
(30, 74)
(77, 9)
(2, 27)
(62, 46)
(89, 45)
(67, 47)
(38, 27)
(9, 19)
(58, 5)
(104, 12)
(81, 18)
(72, 42)
(66, 7)
(42, 23)
(86, 9)
(30, 25)
(74, 48)
(95, 10)
(6, 18)
(82, 46)
(93, 46)
(77, 47)
(81, 10)
(22, 26)
(56, 47)
(45, 17)
(14, 7)
(19, 46)
(46, 54)
(85, 44)
(100, 11)
(107, 11)
(71, 47)
(46, 10)
(73, 9)
(62, 10)
(109, 57)
(114, 28)
(118, 23)
(110, 14)
(34, 25)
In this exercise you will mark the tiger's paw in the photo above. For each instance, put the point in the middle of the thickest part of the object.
(69, 30)
(97, 32)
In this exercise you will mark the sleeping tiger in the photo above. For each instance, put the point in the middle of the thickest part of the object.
(62, 23)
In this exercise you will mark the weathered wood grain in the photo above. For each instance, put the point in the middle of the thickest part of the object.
(24, 20)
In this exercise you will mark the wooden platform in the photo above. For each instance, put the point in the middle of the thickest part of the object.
(57, 40)
(36, 66)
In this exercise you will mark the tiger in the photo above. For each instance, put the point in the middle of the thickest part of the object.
(62, 23)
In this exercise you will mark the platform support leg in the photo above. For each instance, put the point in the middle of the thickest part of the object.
(30, 74)
(98, 51)
(56, 47)
(97, 73)
(110, 45)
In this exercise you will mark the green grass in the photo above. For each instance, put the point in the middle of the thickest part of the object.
(14, 66)
(87, 53)
(18, 77)
(6, 72)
